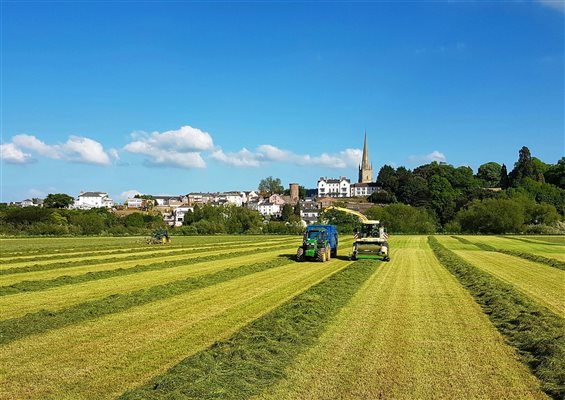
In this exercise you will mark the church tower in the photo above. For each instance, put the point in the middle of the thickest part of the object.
(365, 169)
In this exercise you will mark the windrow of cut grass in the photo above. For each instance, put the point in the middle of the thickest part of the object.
(526, 256)
(157, 262)
(23, 267)
(540, 282)
(30, 285)
(101, 358)
(536, 332)
(97, 254)
(548, 251)
(256, 356)
(551, 241)
(42, 321)
(57, 298)
(410, 332)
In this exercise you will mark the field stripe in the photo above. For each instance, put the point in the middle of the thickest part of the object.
(104, 357)
(170, 253)
(532, 329)
(526, 256)
(411, 332)
(541, 283)
(117, 253)
(551, 251)
(255, 357)
(558, 241)
(58, 298)
(62, 280)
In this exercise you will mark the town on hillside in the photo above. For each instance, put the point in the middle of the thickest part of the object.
(270, 205)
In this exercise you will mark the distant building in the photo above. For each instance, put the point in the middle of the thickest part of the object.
(134, 202)
(88, 200)
(334, 187)
(309, 211)
(179, 214)
(277, 199)
(364, 189)
(27, 203)
(269, 209)
(170, 201)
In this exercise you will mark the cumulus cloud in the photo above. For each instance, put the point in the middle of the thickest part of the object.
(11, 154)
(75, 149)
(427, 158)
(127, 194)
(347, 158)
(558, 5)
(180, 148)
(243, 158)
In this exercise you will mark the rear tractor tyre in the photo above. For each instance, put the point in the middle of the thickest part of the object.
(321, 255)
(300, 254)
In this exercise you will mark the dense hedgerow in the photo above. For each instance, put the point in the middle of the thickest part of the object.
(537, 333)
(256, 356)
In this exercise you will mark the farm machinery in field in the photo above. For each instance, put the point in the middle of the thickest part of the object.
(371, 242)
(159, 236)
(319, 243)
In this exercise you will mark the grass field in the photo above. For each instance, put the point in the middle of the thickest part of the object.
(236, 317)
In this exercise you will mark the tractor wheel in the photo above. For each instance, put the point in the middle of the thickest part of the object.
(354, 256)
(300, 254)
(321, 255)
(334, 253)
(328, 252)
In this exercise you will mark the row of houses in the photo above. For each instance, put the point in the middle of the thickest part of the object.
(342, 187)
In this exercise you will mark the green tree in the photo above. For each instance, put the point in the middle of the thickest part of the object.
(382, 197)
(492, 216)
(489, 174)
(271, 185)
(524, 168)
(555, 174)
(58, 200)
(286, 212)
(297, 209)
(388, 179)
(443, 198)
(134, 220)
(402, 218)
(504, 179)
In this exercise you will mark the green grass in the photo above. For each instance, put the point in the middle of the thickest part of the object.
(101, 358)
(43, 284)
(410, 332)
(255, 357)
(533, 330)
(547, 250)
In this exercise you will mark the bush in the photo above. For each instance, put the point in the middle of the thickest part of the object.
(402, 218)
(492, 216)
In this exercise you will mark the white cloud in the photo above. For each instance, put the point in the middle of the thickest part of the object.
(127, 194)
(11, 154)
(243, 158)
(75, 149)
(427, 158)
(180, 148)
(348, 158)
(558, 5)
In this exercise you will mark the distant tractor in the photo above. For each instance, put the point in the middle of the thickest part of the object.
(319, 243)
(371, 242)
(159, 236)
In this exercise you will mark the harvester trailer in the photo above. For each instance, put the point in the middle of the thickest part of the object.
(319, 243)
(371, 242)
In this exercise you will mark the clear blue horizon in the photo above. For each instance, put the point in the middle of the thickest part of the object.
(176, 97)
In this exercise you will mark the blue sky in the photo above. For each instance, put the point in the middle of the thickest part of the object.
(175, 97)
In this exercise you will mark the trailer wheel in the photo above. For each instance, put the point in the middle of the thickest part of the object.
(328, 252)
(300, 254)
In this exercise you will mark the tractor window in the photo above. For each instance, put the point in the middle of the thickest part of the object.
(316, 235)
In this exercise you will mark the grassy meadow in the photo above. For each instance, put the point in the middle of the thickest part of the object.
(236, 317)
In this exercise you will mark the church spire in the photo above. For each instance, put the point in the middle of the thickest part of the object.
(365, 169)
(365, 162)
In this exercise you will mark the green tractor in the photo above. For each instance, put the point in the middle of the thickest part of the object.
(159, 236)
(319, 243)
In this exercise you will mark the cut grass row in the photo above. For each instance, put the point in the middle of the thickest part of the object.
(411, 332)
(43, 284)
(24, 267)
(526, 256)
(97, 254)
(256, 356)
(131, 258)
(548, 251)
(102, 358)
(536, 332)
(57, 298)
(544, 284)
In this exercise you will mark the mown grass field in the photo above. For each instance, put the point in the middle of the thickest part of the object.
(236, 317)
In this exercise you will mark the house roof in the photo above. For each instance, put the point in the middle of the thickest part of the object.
(371, 184)
(93, 194)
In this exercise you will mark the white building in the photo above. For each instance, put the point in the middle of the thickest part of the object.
(134, 202)
(269, 209)
(27, 203)
(364, 189)
(334, 187)
(277, 199)
(88, 200)
(235, 198)
(309, 211)
(179, 214)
